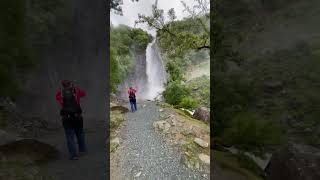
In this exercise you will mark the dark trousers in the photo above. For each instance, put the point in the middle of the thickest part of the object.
(73, 127)
(133, 104)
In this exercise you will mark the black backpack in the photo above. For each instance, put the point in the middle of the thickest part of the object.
(70, 104)
(131, 94)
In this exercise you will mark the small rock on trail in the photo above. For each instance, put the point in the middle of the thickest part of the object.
(204, 158)
(201, 142)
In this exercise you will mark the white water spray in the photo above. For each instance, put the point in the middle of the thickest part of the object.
(155, 71)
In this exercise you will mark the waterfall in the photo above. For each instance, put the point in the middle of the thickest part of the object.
(147, 76)
(155, 70)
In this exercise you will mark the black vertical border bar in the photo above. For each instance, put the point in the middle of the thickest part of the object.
(107, 95)
(212, 11)
(107, 142)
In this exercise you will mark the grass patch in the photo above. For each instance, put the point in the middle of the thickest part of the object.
(116, 118)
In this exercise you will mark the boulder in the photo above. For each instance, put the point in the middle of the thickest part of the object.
(201, 142)
(204, 158)
(202, 113)
(294, 162)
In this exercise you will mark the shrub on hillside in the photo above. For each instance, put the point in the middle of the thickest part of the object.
(174, 70)
(175, 92)
(232, 94)
(249, 133)
(188, 103)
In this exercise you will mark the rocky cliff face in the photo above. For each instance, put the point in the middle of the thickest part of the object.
(79, 54)
(137, 75)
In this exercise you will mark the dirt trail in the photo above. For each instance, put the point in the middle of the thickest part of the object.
(143, 154)
(91, 166)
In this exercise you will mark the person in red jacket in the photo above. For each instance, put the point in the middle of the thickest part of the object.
(132, 98)
(69, 99)
(79, 93)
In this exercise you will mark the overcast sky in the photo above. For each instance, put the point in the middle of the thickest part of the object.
(131, 9)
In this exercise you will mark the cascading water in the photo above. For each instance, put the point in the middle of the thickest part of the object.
(155, 71)
(147, 76)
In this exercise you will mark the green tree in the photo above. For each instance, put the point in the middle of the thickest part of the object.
(180, 40)
(175, 71)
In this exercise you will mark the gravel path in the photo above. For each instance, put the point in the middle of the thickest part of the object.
(142, 153)
(89, 167)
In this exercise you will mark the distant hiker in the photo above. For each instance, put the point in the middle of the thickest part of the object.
(69, 99)
(132, 98)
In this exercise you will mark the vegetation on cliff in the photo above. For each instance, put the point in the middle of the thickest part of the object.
(122, 41)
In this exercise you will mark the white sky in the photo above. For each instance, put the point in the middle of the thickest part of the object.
(131, 9)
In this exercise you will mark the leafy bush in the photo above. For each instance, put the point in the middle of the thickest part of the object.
(246, 132)
(175, 71)
(200, 87)
(188, 103)
(232, 94)
(175, 92)
(140, 37)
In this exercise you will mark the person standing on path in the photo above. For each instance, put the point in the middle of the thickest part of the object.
(132, 98)
(69, 99)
